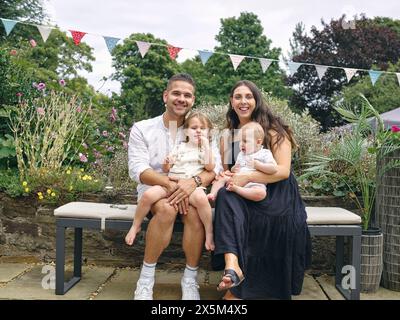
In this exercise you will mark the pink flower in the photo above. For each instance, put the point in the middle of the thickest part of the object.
(40, 111)
(19, 94)
(113, 116)
(105, 133)
(121, 135)
(41, 86)
(82, 157)
(395, 129)
(33, 43)
(13, 52)
(62, 82)
(79, 109)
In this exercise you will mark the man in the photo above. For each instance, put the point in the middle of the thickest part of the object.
(150, 142)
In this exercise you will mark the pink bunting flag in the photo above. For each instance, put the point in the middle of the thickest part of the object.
(173, 51)
(236, 60)
(77, 36)
(350, 73)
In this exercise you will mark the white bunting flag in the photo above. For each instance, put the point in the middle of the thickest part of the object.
(293, 66)
(143, 47)
(398, 77)
(321, 70)
(44, 32)
(265, 63)
(350, 73)
(236, 60)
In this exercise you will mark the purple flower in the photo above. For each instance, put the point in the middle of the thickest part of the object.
(110, 148)
(62, 82)
(82, 157)
(105, 133)
(41, 86)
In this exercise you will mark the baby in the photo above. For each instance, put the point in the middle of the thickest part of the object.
(252, 157)
(188, 159)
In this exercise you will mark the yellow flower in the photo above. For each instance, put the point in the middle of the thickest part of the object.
(96, 180)
(84, 177)
(68, 171)
(27, 190)
(70, 188)
(40, 194)
(53, 194)
(40, 197)
(24, 184)
(48, 191)
(82, 169)
(89, 178)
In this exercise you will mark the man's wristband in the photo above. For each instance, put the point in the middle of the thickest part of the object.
(198, 181)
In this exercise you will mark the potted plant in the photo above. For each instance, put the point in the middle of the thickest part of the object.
(356, 152)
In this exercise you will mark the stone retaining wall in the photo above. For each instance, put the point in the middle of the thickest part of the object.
(27, 229)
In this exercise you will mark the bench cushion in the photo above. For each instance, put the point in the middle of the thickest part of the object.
(96, 210)
(315, 215)
(331, 215)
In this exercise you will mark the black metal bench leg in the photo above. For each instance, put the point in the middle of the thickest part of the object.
(339, 260)
(356, 262)
(78, 253)
(60, 259)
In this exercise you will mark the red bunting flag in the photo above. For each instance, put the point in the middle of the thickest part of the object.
(77, 36)
(173, 51)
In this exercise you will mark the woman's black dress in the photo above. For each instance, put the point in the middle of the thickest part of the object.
(270, 238)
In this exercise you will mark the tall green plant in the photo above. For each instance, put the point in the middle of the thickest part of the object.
(45, 132)
(366, 140)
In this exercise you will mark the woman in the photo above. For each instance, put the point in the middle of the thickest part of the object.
(264, 245)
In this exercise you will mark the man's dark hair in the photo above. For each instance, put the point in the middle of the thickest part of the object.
(181, 77)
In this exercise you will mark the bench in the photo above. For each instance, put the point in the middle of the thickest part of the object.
(322, 221)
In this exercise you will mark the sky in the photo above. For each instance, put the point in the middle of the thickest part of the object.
(193, 24)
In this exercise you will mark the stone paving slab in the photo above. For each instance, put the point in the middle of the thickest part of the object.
(29, 285)
(8, 271)
(167, 286)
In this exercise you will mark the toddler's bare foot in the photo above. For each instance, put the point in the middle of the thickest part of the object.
(210, 245)
(130, 237)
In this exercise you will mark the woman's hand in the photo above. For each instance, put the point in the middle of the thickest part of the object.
(240, 179)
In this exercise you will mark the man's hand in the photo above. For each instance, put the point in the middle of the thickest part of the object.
(180, 197)
(171, 187)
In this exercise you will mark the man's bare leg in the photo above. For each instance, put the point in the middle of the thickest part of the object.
(159, 230)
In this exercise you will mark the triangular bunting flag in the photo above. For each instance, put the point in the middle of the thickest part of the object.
(8, 25)
(374, 75)
(321, 70)
(111, 42)
(293, 66)
(143, 47)
(205, 55)
(350, 73)
(398, 77)
(77, 36)
(173, 51)
(265, 63)
(44, 32)
(236, 60)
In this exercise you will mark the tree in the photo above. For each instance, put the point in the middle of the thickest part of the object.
(242, 36)
(143, 80)
(362, 47)
(384, 95)
(28, 10)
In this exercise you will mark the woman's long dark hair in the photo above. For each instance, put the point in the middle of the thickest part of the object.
(261, 114)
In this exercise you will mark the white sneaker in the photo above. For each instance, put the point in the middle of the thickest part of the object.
(190, 289)
(144, 289)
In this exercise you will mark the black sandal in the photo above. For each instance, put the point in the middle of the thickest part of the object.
(235, 279)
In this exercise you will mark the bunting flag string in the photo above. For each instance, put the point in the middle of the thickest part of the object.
(173, 51)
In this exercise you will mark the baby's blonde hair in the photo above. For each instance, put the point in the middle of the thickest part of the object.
(257, 129)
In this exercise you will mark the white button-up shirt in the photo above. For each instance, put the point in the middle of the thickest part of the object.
(149, 144)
